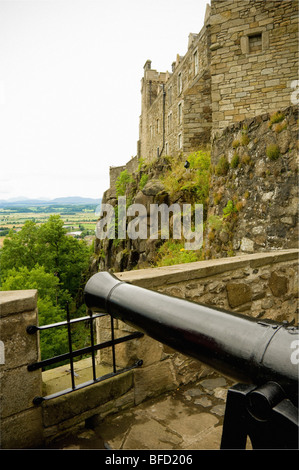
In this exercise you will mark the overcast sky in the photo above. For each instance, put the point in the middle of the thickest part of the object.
(70, 73)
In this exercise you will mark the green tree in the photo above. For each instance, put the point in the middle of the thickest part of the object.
(53, 342)
(20, 248)
(37, 278)
(47, 259)
(47, 245)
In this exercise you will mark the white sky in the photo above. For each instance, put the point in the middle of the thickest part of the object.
(70, 73)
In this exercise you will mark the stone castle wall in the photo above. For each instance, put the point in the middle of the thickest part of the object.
(254, 57)
(255, 170)
(244, 62)
(176, 107)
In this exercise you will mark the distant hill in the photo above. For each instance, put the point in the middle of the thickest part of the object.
(49, 202)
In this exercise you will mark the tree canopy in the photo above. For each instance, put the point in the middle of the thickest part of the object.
(45, 258)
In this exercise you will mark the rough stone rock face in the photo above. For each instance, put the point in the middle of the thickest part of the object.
(152, 188)
(253, 195)
(238, 294)
(126, 254)
(255, 166)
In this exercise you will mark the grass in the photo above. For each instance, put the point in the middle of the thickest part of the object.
(276, 117)
(194, 181)
(235, 161)
(143, 181)
(272, 151)
(222, 166)
(244, 140)
(124, 179)
(173, 252)
(280, 126)
(229, 209)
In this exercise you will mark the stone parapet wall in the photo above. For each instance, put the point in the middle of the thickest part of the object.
(132, 165)
(20, 421)
(114, 172)
(24, 425)
(263, 286)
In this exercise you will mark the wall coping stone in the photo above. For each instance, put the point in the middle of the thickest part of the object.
(152, 277)
(17, 301)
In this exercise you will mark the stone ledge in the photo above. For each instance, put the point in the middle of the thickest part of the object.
(17, 301)
(152, 277)
(86, 400)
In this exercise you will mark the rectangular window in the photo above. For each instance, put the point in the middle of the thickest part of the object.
(196, 64)
(170, 96)
(180, 113)
(180, 83)
(180, 143)
(169, 123)
(255, 43)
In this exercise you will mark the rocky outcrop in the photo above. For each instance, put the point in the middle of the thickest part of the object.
(122, 255)
(253, 203)
(253, 195)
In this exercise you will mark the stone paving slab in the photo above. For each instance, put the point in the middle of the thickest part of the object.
(188, 418)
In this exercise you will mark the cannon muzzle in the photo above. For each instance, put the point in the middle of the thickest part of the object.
(244, 348)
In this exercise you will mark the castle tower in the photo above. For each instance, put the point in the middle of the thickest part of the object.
(151, 86)
(176, 106)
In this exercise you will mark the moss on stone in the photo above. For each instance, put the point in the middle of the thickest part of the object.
(272, 151)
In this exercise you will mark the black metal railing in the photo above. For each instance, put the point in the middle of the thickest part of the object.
(71, 354)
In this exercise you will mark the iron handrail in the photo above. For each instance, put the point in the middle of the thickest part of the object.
(88, 349)
(31, 329)
(93, 348)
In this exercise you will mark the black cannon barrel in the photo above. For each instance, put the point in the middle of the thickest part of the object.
(241, 347)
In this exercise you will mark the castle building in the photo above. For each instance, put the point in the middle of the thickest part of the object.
(243, 62)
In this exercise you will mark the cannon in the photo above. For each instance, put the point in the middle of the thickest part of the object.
(260, 355)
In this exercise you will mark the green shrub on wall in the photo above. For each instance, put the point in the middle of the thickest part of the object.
(222, 166)
(235, 161)
(143, 181)
(122, 181)
(272, 151)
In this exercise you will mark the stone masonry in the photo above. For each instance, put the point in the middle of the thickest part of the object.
(20, 421)
(243, 62)
(261, 186)
(261, 285)
(254, 58)
(176, 107)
